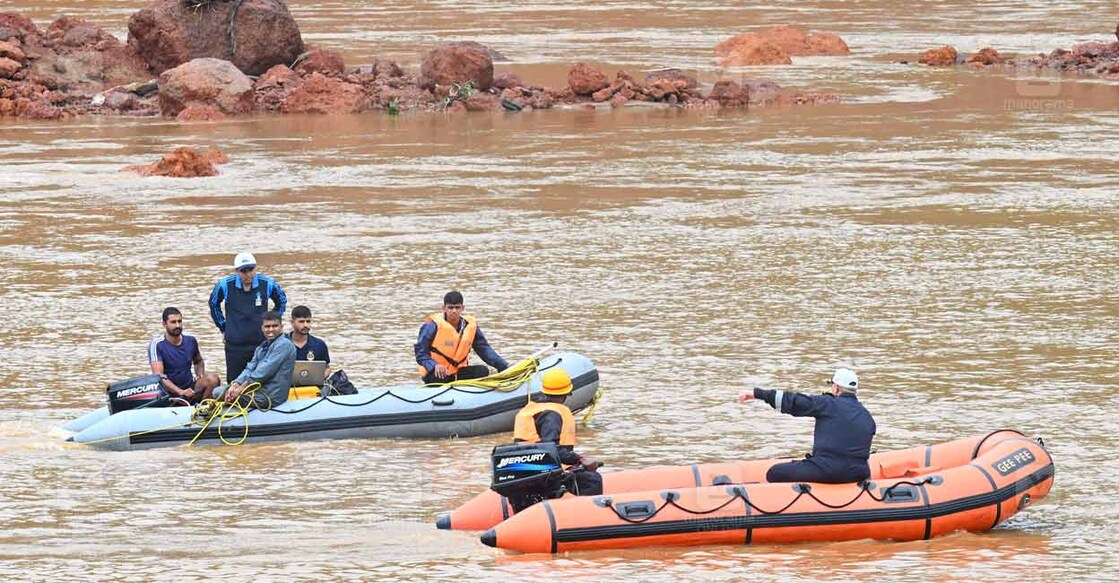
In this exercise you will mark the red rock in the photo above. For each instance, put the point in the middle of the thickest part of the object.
(323, 61)
(205, 82)
(481, 101)
(321, 94)
(201, 113)
(585, 80)
(755, 51)
(605, 93)
(277, 76)
(618, 100)
(730, 94)
(8, 67)
(507, 80)
(774, 46)
(180, 163)
(168, 34)
(12, 52)
(77, 33)
(120, 101)
(762, 91)
(826, 44)
(25, 30)
(690, 82)
(985, 56)
(459, 62)
(942, 57)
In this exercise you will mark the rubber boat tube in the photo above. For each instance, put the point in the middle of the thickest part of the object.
(408, 411)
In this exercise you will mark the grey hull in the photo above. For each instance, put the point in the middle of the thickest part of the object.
(408, 411)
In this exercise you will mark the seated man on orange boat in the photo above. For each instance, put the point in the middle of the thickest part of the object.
(551, 421)
(445, 341)
(844, 431)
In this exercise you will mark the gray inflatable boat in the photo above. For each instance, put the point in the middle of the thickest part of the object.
(407, 411)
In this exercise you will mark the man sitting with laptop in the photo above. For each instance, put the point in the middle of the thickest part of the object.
(312, 357)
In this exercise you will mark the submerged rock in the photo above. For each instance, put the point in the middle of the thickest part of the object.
(183, 163)
(943, 57)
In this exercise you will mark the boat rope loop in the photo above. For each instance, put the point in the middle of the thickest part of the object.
(739, 493)
(210, 410)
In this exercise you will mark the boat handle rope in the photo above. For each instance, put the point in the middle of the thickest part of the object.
(740, 494)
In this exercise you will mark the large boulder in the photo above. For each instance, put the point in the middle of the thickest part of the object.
(211, 82)
(458, 62)
(168, 34)
(584, 79)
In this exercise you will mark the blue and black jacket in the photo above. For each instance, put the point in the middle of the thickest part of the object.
(844, 428)
(240, 324)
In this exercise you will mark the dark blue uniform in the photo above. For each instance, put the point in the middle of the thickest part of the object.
(840, 444)
(240, 324)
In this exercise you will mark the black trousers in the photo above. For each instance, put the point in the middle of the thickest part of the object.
(475, 371)
(588, 483)
(810, 471)
(237, 357)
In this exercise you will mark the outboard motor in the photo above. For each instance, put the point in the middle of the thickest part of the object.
(527, 473)
(134, 393)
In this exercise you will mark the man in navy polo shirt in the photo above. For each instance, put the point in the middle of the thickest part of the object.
(171, 356)
(245, 294)
(307, 347)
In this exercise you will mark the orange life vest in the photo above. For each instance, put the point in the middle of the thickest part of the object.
(524, 428)
(449, 348)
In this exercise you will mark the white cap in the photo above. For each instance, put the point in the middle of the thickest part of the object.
(846, 378)
(245, 259)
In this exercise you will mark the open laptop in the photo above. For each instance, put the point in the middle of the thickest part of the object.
(308, 373)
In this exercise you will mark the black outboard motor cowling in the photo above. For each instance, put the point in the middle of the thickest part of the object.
(527, 473)
(134, 393)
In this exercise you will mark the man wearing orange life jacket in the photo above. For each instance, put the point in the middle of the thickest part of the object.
(551, 421)
(444, 345)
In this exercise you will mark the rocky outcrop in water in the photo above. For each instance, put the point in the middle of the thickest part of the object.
(183, 163)
(252, 34)
(776, 46)
(1098, 59)
(75, 68)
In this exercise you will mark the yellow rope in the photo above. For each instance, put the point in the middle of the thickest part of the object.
(505, 381)
(210, 410)
(590, 410)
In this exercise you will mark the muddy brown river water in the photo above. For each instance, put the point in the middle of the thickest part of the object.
(953, 235)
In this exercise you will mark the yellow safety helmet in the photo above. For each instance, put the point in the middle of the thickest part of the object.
(556, 382)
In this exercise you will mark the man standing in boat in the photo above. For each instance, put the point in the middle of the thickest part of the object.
(245, 295)
(552, 421)
(844, 431)
(444, 345)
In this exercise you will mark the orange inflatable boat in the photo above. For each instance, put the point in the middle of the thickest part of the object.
(488, 509)
(974, 495)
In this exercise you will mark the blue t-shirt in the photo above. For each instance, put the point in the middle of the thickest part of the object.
(314, 349)
(177, 360)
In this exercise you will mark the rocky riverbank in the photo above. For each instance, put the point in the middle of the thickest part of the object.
(209, 59)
